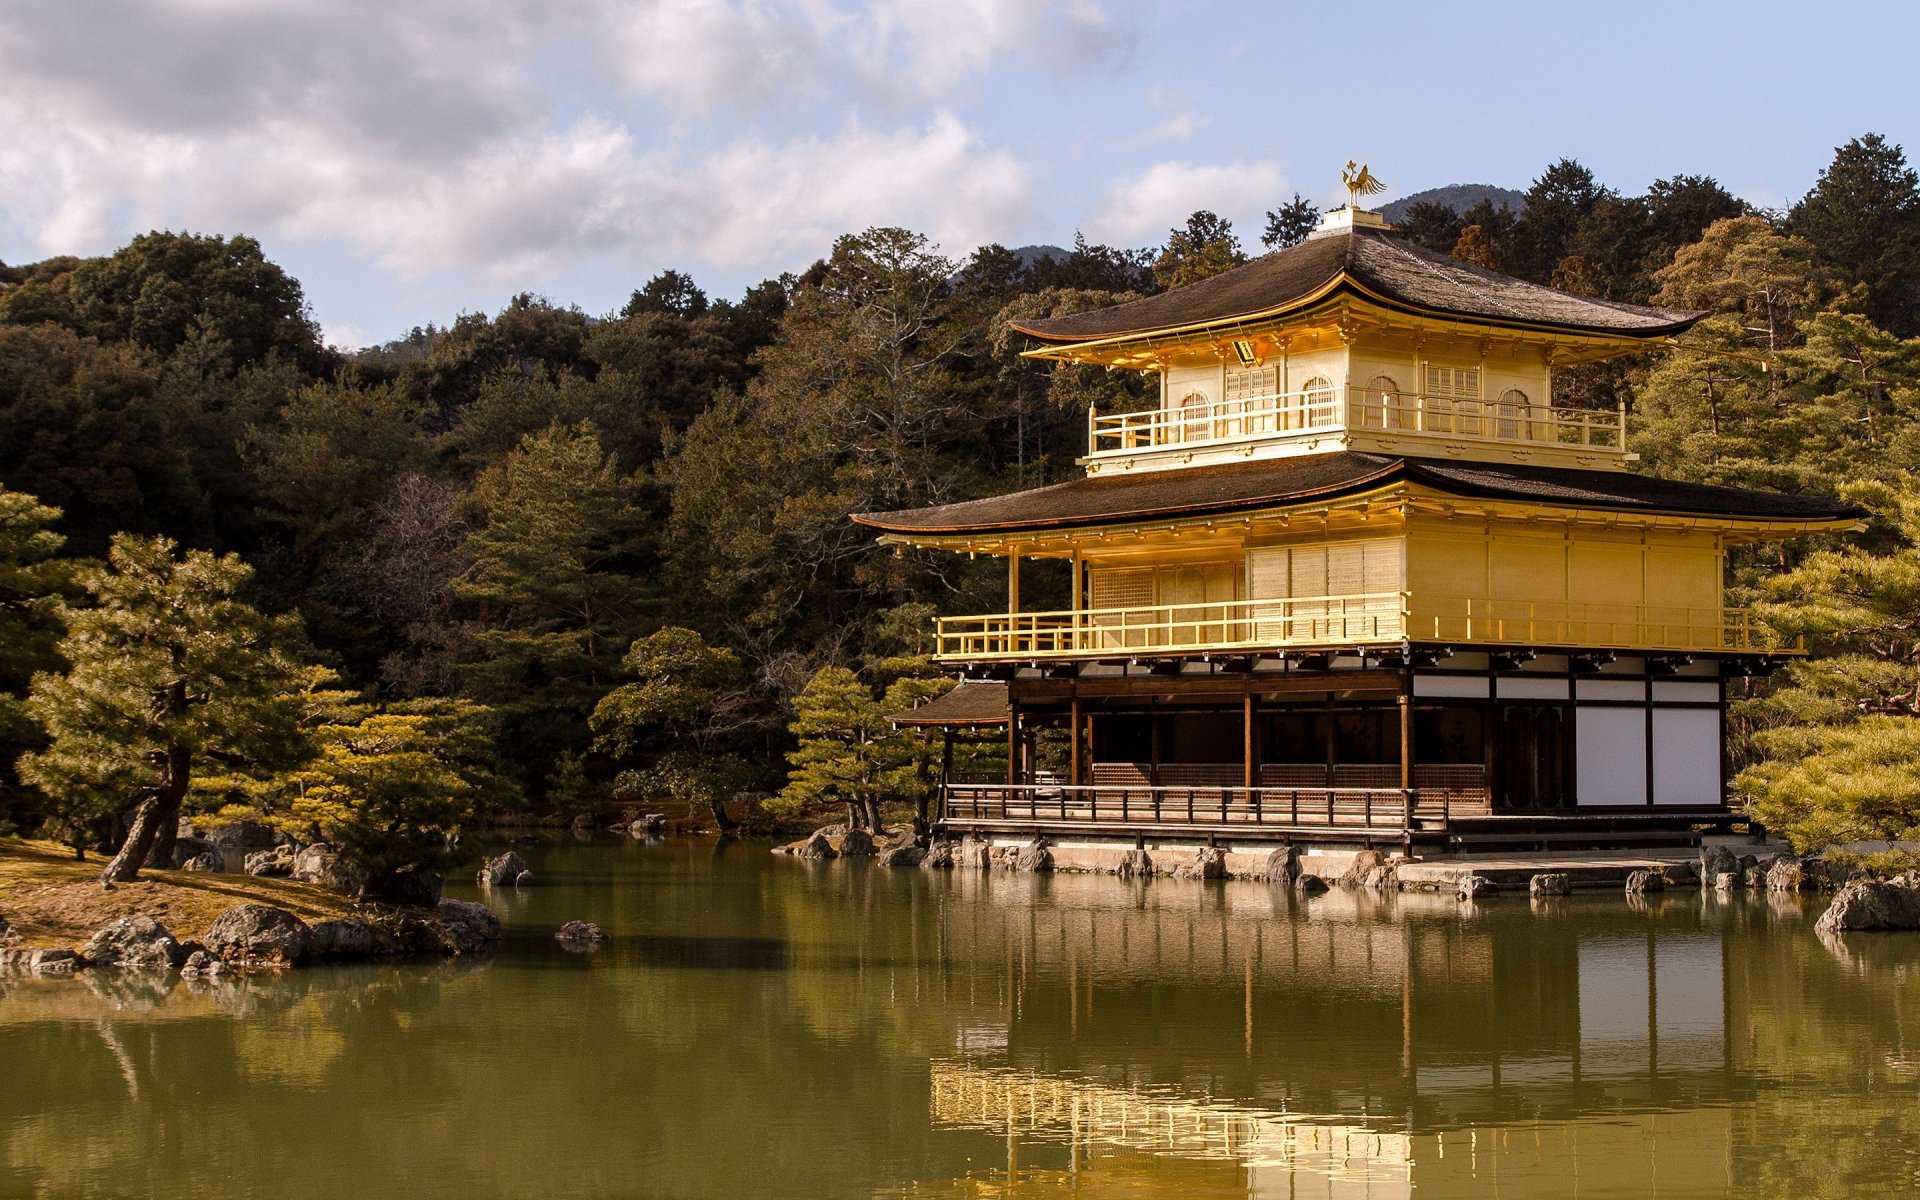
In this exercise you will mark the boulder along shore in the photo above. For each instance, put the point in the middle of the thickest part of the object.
(55, 918)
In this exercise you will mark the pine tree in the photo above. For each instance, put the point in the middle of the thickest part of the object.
(686, 702)
(33, 581)
(1838, 736)
(1290, 224)
(1203, 247)
(843, 753)
(1863, 221)
(169, 670)
(383, 793)
(552, 585)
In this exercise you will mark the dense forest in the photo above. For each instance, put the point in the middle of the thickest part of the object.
(543, 562)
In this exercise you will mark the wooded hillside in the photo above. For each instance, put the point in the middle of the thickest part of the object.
(497, 514)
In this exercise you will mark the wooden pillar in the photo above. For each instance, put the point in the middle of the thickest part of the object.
(1251, 772)
(1013, 744)
(1406, 743)
(1153, 743)
(1013, 580)
(1073, 743)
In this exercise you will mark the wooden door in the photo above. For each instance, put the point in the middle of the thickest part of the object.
(1530, 756)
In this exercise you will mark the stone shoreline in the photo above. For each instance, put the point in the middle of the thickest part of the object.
(261, 937)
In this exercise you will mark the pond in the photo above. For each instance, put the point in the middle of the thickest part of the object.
(760, 1026)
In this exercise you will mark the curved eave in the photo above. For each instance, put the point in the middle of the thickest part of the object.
(1343, 281)
(1342, 489)
(1414, 482)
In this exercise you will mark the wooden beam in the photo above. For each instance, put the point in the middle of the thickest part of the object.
(1251, 772)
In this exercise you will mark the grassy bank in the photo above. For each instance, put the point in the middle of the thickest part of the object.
(51, 899)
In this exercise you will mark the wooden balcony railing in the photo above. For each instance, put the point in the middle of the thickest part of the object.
(1317, 412)
(1332, 622)
(1382, 809)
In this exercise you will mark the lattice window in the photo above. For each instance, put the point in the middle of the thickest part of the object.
(1128, 587)
(1454, 383)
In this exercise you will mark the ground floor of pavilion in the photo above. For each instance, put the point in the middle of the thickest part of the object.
(1423, 749)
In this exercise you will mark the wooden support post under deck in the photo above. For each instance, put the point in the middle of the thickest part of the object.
(1013, 580)
(1073, 743)
(1013, 745)
(1406, 762)
(1251, 772)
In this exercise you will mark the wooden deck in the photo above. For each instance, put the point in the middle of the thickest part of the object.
(1452, 816)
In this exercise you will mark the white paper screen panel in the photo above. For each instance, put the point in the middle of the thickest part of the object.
(1610, 754)
(1468, 686)
(1686, 756)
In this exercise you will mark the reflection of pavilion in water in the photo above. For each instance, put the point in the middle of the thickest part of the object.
(1122, 1132)
(1428, 1040)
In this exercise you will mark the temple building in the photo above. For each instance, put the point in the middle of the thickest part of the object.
(1357, 577)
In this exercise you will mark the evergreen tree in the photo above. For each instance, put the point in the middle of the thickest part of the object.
(686, 704)
(1203, 247)
(1863, 221)
(34, 580)
(1290, 224)
(383, 794)
(553, 586)
(169, 671)
(1839, 737)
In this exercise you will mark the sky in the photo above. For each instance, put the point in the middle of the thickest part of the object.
(410, 160)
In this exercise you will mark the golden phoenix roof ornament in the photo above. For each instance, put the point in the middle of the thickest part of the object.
(1360, 182)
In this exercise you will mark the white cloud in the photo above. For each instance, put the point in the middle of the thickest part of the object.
(756, 201)
(516, 142)
(1165, 194)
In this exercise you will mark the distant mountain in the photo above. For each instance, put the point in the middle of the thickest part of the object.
(1457, 196)
(1029, 255)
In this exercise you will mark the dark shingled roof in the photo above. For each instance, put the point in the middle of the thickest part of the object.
(971, 703)
(1379, 261)
(1242, 487)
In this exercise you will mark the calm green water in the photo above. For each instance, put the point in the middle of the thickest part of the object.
(766, 1027)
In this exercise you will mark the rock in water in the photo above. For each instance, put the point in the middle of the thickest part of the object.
(1034, 856)
(1476, 887)
(1714, 861)
(200, 963)
(258, 933)
(1869, 904)
(1383, 878)
(856, 843)
(411, 887)
(136, 943)
(1283, 865)
(1785, 874)
(580, 935)
(1679, 874)
(939, 857)
(976, 854)
(202, 862)
(908, 855)
(1310, 885)
(470, 928)
(349, 939)
(1356, 873)
(1208, 862)
(816, 846)
(1549, 883)
(1639, 883)
(502, 871)
(1135, 864)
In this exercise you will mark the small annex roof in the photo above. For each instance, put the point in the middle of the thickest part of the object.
(971, 705)
(1268, 483)
(1376, 263)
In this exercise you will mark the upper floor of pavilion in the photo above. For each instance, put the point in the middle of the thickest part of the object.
(1356, 339)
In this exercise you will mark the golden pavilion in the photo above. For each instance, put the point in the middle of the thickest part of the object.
(1357, 577)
